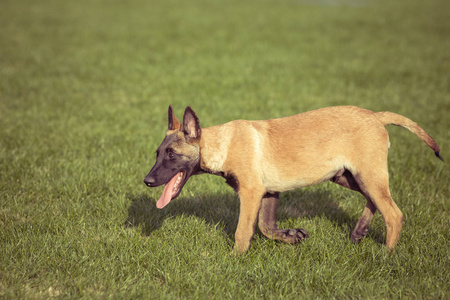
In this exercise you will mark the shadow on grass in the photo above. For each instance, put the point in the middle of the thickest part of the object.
(223, 210)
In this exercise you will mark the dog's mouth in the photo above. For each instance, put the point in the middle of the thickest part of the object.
(172, 189)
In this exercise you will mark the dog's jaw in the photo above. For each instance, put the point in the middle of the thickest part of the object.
(171, 189)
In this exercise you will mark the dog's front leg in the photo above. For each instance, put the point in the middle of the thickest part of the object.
(250, 199)
(268, 226)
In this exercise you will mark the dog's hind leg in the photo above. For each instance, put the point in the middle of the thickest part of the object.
(346, 179)
(267, 222)
(375, 186)
(362, 226)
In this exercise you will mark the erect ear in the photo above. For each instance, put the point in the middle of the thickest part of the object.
(174, 124)
(191, 125)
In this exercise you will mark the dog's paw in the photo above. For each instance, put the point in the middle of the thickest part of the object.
(358, 234)
(294, 235)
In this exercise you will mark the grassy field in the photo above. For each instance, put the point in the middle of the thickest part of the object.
(84, 91)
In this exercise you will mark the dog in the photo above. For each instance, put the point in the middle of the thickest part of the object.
(347, 145)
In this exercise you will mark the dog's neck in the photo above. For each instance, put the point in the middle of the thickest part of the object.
(214, 148)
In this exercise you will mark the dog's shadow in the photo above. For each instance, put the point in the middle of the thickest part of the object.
(213, 208)
(223, 209)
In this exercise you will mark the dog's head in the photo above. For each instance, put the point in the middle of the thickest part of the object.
(178, 156)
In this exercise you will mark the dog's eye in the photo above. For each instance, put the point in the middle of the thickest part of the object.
(170, 153)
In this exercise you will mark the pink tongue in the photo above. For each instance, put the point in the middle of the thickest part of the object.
(167, 192)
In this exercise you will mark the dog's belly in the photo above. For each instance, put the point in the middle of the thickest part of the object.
(276, 180)
(276, 184)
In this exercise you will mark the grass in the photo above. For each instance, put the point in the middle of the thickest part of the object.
(84, 91)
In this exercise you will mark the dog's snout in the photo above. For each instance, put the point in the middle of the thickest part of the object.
(149, 181)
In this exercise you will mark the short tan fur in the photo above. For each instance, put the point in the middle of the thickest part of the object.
(345, 144)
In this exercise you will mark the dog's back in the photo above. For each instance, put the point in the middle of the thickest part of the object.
(303, 149)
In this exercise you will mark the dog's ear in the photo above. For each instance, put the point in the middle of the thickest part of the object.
(191, 125)
(174, 124)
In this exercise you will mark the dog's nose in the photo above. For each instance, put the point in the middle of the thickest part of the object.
(149, 181)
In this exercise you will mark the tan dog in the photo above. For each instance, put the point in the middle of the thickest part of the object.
(346, 145)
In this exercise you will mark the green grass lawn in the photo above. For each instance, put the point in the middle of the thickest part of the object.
(84, 91)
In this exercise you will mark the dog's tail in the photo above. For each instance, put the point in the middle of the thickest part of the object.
(389, 118)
